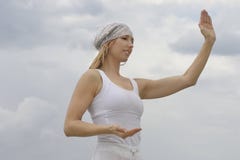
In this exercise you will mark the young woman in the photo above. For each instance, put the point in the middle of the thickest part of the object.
(114, 101)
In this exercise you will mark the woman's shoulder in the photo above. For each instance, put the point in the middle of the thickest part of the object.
(91, 75)
(90, 80)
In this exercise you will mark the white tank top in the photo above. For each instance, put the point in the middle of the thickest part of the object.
(116, 105)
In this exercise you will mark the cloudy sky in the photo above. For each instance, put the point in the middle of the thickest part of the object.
(46, 45)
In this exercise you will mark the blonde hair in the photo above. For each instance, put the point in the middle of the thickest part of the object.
(99, 59)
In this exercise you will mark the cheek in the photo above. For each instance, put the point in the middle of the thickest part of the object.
(115, 48)
(113, 51)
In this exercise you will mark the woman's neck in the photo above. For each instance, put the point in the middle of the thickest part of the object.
(111, 67)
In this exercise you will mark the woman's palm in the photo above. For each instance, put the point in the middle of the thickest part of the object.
(206, 26)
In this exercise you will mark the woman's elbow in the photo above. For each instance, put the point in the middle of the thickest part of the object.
(67, 130)
(189, 82)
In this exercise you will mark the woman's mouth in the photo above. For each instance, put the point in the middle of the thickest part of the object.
(127, 52)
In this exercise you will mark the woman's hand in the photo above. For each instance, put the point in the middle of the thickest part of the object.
(122, 132)
(206, 27)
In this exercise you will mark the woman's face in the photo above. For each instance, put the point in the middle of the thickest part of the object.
(122, 48)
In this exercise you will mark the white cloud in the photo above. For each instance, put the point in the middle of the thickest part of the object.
(207, 2)
(21, 129)
(32, 114)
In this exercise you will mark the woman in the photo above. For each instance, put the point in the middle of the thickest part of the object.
(114, 101)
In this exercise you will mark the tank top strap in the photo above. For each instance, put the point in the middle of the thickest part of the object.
(105, 79)
(104, 76)
(135, 86)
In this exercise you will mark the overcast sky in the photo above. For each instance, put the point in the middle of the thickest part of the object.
(46, 45)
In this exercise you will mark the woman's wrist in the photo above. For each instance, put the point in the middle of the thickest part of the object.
(105, 129)
(210, 40)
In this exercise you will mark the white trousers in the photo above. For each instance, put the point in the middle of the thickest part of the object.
(115, 151)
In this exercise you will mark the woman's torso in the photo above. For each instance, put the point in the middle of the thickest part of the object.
(116, 105)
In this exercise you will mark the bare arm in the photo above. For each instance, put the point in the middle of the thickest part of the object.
(82, 97)
(163, 87)
(87, 88)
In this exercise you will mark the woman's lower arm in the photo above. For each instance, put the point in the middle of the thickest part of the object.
(78, 128)
(199, 63)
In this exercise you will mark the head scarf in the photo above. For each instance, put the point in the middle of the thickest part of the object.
(110, 32)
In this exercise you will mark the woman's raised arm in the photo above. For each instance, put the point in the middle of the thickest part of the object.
(149, 89)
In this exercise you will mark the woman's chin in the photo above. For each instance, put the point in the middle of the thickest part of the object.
(124, 60)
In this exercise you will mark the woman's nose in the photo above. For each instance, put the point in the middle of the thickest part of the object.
(130, 44)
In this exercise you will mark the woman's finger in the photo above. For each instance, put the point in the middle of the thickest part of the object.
(210, 21)
(201, 18)
(133, 131)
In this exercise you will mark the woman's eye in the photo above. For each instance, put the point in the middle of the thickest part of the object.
(126, 38)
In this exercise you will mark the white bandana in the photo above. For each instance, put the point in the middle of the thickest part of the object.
(110, 32)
